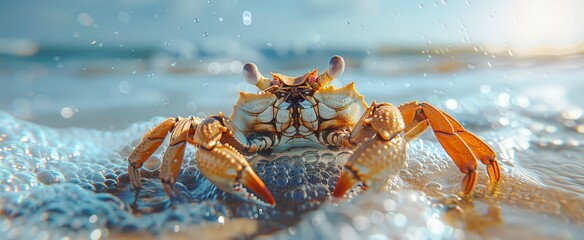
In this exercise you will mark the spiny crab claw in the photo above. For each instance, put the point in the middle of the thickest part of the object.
(347, 180)
(227, 169)
(249, 180)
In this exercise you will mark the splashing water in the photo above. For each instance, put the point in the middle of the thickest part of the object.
(73, 182)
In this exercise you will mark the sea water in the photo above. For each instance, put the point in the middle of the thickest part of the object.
(65, 138)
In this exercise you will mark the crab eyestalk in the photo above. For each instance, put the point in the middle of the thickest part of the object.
(252, 75)
(335, 68)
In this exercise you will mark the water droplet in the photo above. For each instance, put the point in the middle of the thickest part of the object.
(246, 17)
(420, 6)
(389, 205)
(196, 20)
(173, 64)
(572, 113)
(100, 45)
(125, 87)
(205, 34)
(236, 66)
(468, 2)
(400, 220)
(444, 2)
(361, 223)
(504, 121)
(166, 44)
(214, 68)
(451, 104)
(92, 42)
(151, 75)
(85, 19)
(435, 226)
(67, 112)
(93, 218)
(269, 44)
(580, 128)
(134, 72)
(95, 234)
(220, 19)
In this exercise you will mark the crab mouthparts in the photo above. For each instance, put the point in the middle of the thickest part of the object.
(252, 188)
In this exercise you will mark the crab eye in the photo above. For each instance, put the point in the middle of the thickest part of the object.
(336, 66)
(251, 73)
(253, 76)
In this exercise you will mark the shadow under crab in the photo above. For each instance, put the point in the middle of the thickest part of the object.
(300, 181)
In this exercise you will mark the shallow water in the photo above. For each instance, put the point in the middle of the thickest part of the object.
(73, 182)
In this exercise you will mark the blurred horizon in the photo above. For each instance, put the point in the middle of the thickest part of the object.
(188, 28)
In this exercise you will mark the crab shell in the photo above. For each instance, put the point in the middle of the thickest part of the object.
(327, 108)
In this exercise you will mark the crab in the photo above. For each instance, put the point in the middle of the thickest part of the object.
(306, 111)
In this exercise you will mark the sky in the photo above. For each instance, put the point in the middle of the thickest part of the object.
(521, 26)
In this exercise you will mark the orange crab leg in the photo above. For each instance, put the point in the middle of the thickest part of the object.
(415, 124)
(149, 143)
(173, 157)
(462, 146)
(480, 149)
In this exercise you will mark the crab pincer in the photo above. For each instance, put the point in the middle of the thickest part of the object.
(226, 167)
(229, 171)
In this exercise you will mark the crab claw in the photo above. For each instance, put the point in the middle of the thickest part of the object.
(373, 163)
(347, 180)
(225, 167)
(250, 180)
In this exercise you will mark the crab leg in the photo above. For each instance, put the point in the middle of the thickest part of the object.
(462, 146)
(173, 156)
(149, 143)
(376, 158)
(225, 166)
